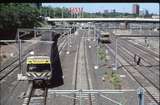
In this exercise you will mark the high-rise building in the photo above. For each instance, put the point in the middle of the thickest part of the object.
(135, 9)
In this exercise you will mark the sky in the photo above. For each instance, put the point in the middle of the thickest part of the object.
(100, 7)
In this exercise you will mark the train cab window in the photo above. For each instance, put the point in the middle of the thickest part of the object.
(38, 67)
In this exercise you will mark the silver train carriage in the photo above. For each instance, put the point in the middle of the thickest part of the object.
(105, 38)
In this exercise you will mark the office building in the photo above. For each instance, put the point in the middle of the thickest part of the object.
(135, 9)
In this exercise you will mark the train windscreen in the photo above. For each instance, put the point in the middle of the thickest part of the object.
(38, 67)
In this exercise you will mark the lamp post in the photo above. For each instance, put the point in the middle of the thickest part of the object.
(70, 39)
(94, 39)
(68, 42)
(96, 66)
(115, 67)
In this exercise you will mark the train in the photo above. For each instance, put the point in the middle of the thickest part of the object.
(39, 67)
(44, 66)
(105, 38)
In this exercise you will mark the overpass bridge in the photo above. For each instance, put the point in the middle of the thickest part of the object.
(128, 20)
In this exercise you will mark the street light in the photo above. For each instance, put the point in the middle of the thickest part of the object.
(70, 39)
(94, 33)
(96, 66)
(115, 66)
(68, 42)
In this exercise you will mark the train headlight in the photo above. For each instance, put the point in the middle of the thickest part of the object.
(31, 53)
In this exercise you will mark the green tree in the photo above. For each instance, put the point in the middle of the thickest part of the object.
(18, 15)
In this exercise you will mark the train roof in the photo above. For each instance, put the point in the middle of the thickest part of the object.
(38, 60)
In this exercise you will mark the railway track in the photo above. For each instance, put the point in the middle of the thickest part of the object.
(14, 64)
(76, 72)
(127, 59)
(81, 78)
(39, 96)
(150, 74)
(142, 70)
(8, 69)
(13, 60)
(143, 62)
(87, 73)
(35, 96)
(151, 89)
(148, 56)
(96, 84)
(144, 49)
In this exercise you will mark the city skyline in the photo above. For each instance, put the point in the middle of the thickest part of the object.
(100, 7)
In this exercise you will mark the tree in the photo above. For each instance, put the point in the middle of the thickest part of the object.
(18, 15)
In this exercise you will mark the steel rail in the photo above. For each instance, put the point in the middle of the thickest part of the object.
(16, 60)
(76, 71)
(139, 70)
(138, 81)
(87, 70)
(140, 47)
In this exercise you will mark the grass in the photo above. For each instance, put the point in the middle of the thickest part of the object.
(114, 79)
(102, 54)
